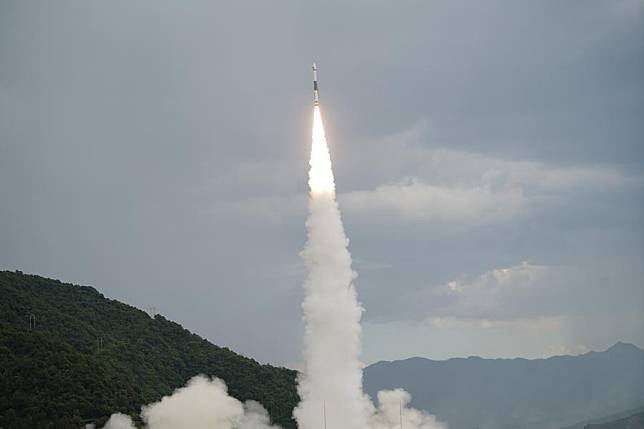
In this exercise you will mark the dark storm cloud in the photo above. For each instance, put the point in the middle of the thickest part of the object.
(158, 151)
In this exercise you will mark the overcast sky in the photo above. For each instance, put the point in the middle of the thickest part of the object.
(489, 159)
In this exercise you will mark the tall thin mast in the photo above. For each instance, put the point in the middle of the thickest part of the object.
(324, 411)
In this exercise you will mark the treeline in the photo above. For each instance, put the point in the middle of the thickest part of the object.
(69, 356)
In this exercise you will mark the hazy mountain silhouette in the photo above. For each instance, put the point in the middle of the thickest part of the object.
(635, 421)
(518, 393)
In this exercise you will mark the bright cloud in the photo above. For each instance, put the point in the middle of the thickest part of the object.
(491, 294)
(413, 199)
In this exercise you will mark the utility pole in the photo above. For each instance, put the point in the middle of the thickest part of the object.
(324, 410)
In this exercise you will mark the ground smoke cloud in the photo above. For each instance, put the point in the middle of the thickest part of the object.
(202, 403)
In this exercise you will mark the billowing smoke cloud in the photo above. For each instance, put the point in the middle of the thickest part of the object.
(202, 403)
(117, 421)
(393, 409)
(330, 385)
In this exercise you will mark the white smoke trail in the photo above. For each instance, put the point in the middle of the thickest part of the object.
(332, 376)
(330, 385)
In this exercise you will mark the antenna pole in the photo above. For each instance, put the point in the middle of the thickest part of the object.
(400, 414)
(324, 410)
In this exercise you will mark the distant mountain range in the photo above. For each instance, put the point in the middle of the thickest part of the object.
(518, 393)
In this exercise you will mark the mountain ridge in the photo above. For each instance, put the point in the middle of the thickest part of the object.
(543, 393)
(617, 346)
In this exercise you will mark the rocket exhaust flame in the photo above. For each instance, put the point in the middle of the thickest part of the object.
(321, 174)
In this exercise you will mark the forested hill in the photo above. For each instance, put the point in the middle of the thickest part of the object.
(89, 356)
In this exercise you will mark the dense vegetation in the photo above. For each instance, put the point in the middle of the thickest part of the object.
(69, 356)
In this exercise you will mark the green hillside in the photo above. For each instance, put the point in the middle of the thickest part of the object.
(89, 356)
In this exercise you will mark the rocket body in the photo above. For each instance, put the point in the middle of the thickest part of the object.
(316, 92)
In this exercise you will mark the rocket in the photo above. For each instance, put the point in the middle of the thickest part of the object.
(316, 93)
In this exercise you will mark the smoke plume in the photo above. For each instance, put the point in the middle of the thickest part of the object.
(330, 385)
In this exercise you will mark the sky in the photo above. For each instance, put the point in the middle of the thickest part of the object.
(488, 157)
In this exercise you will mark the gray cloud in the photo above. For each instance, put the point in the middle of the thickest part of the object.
(158, 151)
